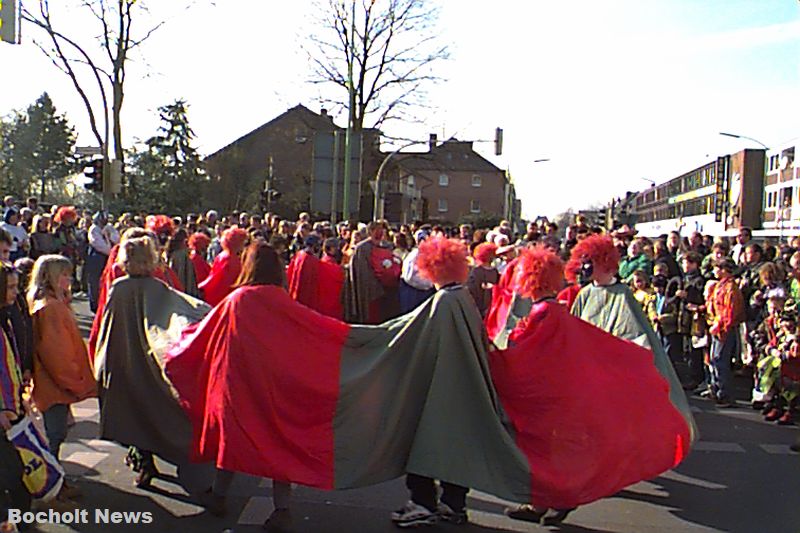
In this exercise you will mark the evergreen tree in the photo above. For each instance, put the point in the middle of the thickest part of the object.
(168, 174)
(37, 150)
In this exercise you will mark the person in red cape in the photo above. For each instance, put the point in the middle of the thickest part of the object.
(163, 228)
(198, 245)
(502, 301)
(373, 276)
(578, 454)
(262, 279)
(575, 283)
(227, 266)
(316, 283)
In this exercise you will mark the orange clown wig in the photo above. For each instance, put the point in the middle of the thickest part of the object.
(199, 241)
(233, 239)
(539, 273)
(442, 261)
(484, 253)
(599, 250)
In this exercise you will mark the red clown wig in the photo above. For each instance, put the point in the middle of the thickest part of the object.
(484, 253)
(539, 273)
(199, 241)
(65, 213)
(160, 225)
(442, 261)
(598, 250)
(233, 239)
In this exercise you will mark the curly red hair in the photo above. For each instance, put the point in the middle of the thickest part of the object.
(233, 239)
(539, 273)
(597, 249)
(199, 241)
(484, 253)
(65, 213)
(160, 224)
(442, 261)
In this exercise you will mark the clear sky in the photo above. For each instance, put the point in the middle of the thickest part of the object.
(611, 92)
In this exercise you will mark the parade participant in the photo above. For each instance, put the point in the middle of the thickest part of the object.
(162, 227)
(316, 283)
(61, 372)
(588, 454)
(371, 279)
(137, 404)
(413, 289)
(725, 313)
(198, 246)
(98, 250)
(64, 231)
(331, 251)
(507, 307)
(483, 276)
(610, 305)
(227, 266)
(443, 262)
(177, 258)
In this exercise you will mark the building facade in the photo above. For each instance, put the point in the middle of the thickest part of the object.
(455, 184)
(782, 191)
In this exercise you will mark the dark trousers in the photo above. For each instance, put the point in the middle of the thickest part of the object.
(55, 425)
(423, 492)
(694, 359)
(94, 265)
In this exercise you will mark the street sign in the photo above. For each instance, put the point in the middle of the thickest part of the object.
(87, 151)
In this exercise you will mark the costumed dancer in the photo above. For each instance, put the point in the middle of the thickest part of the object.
(483, 276)
(313, 282)
(198, 246)
(227, 266)
(372, 279)
(609, 304)
(413, 288)
(61, 371)
(162, 227)
(556, 366)
(138, 406)
(176, 255)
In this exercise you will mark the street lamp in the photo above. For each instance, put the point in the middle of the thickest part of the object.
(377, 210)
(651, 182)
(540, 160)
(735, 136)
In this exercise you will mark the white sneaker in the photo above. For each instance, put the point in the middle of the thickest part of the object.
(413, 515)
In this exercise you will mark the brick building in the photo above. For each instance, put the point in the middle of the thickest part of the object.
(452, 183)
(239, 171)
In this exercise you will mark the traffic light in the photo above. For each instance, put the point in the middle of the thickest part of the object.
(498, 141)
(9, 21)
(94, 176)
(268, 196)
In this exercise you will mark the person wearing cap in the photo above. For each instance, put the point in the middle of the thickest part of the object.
(97, 256)
(19, 237)
(725, 313)
(413, 289)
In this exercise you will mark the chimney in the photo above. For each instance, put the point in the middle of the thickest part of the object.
(432, 139)
(324, 112)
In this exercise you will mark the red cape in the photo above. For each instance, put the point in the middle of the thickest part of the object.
(201, 268)
(502, 295)
(316, 284)
(219, 282)
(568, 295)
(579, 399)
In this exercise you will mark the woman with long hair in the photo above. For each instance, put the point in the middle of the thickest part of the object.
(42, 240)
(176, 256)
(61, 372)
(227, 266)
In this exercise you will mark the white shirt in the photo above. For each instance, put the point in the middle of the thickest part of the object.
(410, 274)
(18, 235)
(98, 240)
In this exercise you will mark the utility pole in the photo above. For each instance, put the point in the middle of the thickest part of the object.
(348, 139)
(334, 177)
(269, 185)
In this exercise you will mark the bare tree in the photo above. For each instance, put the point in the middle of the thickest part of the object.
(103, 92)
(393, 49)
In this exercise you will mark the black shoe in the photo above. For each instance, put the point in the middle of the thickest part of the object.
(280, 521)
(525, 512)
(145, 477)
(553, 517)
(213, 503)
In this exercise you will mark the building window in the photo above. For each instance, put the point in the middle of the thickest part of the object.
(475, 206)
(444, 180)
(476, 180)
(442, 205)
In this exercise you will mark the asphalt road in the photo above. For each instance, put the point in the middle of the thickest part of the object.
(740, 478)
